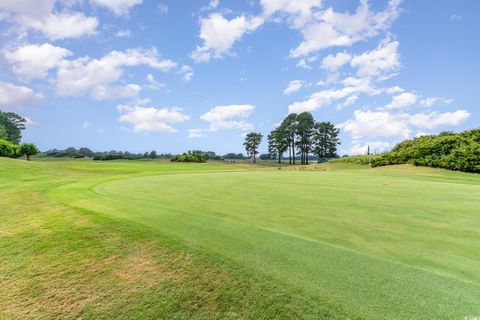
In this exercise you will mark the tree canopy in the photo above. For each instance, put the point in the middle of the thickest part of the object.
(11, 126)
(301, 134)
(252, 142)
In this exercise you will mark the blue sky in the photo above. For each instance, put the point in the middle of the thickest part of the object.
(177, 75)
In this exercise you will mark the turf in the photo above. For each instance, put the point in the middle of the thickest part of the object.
(145, 239)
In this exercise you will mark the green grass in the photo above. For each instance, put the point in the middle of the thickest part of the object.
(145, 239)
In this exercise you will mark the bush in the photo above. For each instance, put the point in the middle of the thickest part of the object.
(364, 160)
(454, 151)
(188, 158)
(8, 149)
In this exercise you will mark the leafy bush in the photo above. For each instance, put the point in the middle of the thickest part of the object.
(454, 151)
(191, 157)
(8, 149)
(363, 160)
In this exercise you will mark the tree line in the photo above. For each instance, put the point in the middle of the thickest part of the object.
(298, 134)
(11, 126)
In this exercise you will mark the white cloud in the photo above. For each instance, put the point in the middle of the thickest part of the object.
(15, 98)
(378, 63)
(293, 86)
(352, 86)
(332, 63)
(219, 34)
(348, 102)
(385, 124)
(98, 77)
(34, 61)
(162, 8)
(429, 102)
(375, 124)
(327, 28)
(195, 133)
(187, 72)
(124, 33)
(229, 117)
(297, 12)
(41, 17)
(394, 89)
(213, 4)
(455, 17)
(87, 125)
(119, 7)
(61, 26)
(402, 100)
(374, 146)
(154, 84)
(148, 119)
(435, 119)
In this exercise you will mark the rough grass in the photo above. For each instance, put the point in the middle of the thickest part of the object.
(151, 240)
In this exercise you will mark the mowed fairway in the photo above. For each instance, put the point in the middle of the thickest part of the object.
(160, 240)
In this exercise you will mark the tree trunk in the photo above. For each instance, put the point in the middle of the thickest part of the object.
(28, 157)
(293, 150)
(279, 158)
(254, 158)
(289, 154)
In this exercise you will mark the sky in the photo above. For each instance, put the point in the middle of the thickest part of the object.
(172, 76)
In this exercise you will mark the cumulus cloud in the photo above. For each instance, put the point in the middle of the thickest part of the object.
(149, 119)
(351, 86)
(219, 34)
(375, 124)
(187, 72)
(15, 98)
(34, 61)
(378, 63)
(371, 67)
(435, 119)
(297, 13)
(332, 63)
(402, 100)
(98, 77)
(327, 28)
(400, 125)
(65, 25)
(293, 86)
(229, 117)
(43, 18)
(119, 7)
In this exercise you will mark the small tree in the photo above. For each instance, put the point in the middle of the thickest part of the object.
(28, 149)
(277, 144)
(326, 140)
(252, 141)
(152, 154)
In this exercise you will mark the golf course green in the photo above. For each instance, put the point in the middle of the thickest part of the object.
(151, 239)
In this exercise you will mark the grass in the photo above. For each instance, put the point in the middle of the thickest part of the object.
(144, 239)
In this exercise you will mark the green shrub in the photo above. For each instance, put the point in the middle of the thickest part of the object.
(8, 149)
(191, 157)
(364, 160)
(454, 151)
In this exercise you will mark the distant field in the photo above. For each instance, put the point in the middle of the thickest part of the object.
(146, 239)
